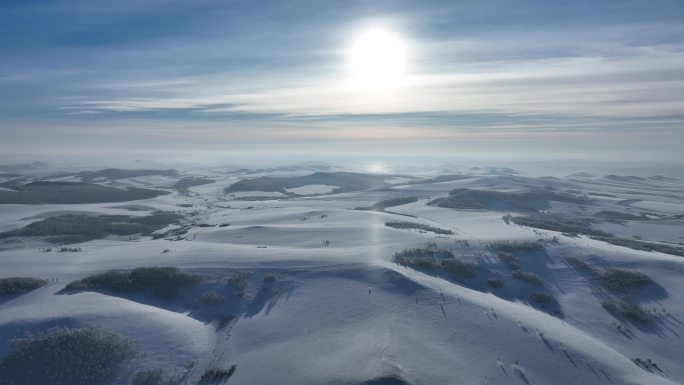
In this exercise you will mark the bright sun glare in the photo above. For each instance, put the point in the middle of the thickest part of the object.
(377, 168)
(378, 61)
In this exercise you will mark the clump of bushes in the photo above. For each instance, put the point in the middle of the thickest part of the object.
(418, 226)
(221, 321)
(239, 281)
(465, 269)
(509, 260)
(421, 257)
(430, 252)
(212, 298)
(627, 309)
(646, 364)
(113, 280)
(494, 282)
(431, 258)
(218, 374)
(615, 279)
(151, 377)
(540, 297)
(240, 293)
(642, 245)
(577, 263)
(161, 281)
(66, 356)
(561, 223)
(619, 279)
(513, 246)
(526, 276)
(65, 249)
(270, 279)
(414, 262)
(20, 285)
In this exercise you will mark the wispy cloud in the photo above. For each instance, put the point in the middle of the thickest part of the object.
(644, 85)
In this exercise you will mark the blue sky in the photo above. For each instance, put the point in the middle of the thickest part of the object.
(180, 79)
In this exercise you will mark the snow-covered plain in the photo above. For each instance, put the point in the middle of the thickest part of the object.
(342, 312)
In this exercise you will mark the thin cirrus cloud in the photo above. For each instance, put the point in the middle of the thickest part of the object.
(633, 87)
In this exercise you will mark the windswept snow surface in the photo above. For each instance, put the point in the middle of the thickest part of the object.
(341, 312)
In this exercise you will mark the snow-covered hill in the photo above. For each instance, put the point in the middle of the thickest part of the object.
(338, 310)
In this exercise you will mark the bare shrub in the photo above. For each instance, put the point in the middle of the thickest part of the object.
(513, 246)
(462, 268)
(627, 309)
(541, 296)
(218, 374)
(420, 257)
(509, 260)
(647, 364)
(619, 279)
(577, 263)
(418, 226)
(526, 276)
(151, 377)
(239, 279)
(212, 298)
(433, 258)
(425, 258)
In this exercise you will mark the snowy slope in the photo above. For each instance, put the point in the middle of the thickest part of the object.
(343, 313)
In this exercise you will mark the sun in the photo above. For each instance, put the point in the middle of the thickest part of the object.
(378, 60)
(377, 168)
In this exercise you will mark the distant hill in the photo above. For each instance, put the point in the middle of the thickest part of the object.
(493, 170)
(346, 181)
(22, 167)
(580, 174)
(664, 178)
(190, 182)
(440, 178)
(83, 227)
(117, 173)
(72, 193)
(391, 202)
(624, 178)
(304, 166)
(532, 200)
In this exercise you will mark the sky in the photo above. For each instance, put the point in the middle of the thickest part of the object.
(210, 79)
